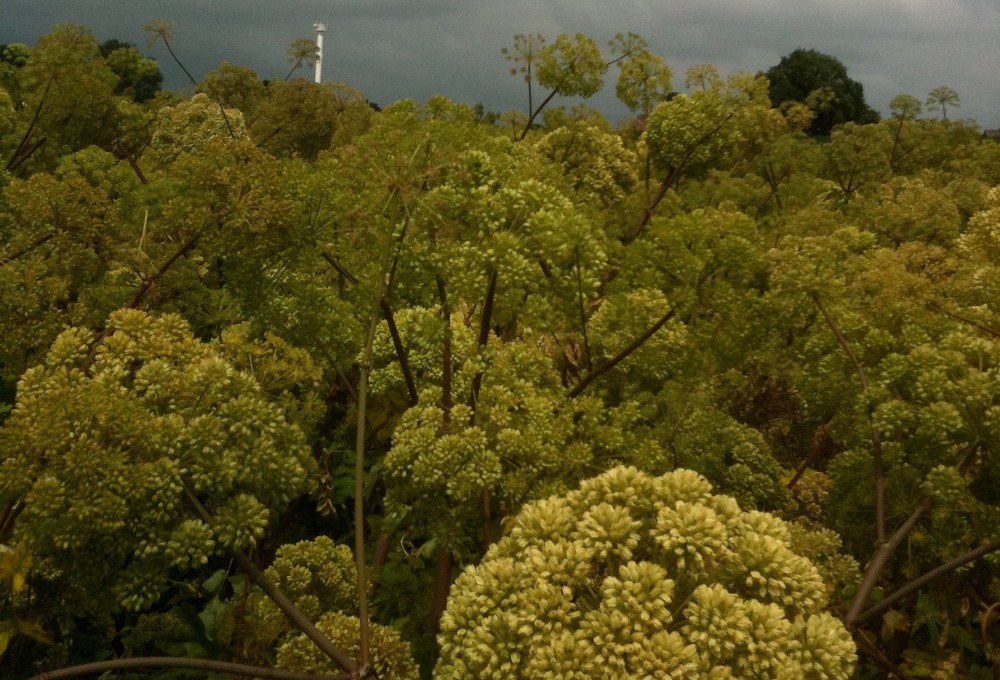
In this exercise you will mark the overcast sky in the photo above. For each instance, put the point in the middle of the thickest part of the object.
(391, 49)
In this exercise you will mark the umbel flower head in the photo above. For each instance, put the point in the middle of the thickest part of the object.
(99, 455)
(641, 576)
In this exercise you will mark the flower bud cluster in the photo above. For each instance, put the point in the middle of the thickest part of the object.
(641, 576)
(100, 456)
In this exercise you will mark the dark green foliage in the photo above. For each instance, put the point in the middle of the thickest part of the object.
(806, 74)
(139, 77)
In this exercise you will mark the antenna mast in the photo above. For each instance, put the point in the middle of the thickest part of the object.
(321, 28)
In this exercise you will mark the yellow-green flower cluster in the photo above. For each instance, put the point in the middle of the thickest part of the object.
(431, 458)
(641, 576)
(390, 655)
(100, 454)
(595, 162)
(317, 575)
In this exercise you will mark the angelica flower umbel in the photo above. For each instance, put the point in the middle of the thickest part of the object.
(640, 576)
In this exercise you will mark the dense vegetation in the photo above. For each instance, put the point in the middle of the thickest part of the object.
(288, 383)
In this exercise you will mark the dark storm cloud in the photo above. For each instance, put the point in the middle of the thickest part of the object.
(416, 48)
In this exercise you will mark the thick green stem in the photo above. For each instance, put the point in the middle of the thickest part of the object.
(359, 468)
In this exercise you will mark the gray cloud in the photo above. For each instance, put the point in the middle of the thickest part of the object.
(417, 48)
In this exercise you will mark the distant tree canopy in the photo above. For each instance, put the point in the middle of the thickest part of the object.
(139, 76)
(821, 81)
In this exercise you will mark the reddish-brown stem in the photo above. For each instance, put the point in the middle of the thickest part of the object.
(966, 320)
(868, 648)
(875, 434)
(132, 162)
(297, 64)
(822, 434)
(208, 665)
(583, 313)
(487, 520)
(140, 293)
(359, 498)
(446, 402)
(401, 357)
(650, 207)
(485, 322)
(279, 598)
(10, 514)
(276, 596)
(921, 581)
(333, 262)
(881, 559)
(194, 82)
(359, 470)
(19, 151)
(632, 347)
(16, 163)
(442, 585)
(534, 114)
(672, 176)
(38, 242)
(185, 248)
(381, 554)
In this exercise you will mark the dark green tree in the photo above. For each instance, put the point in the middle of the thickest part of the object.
(821, 81)
(139, 76)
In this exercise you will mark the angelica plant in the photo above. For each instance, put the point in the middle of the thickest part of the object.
(318, 577)
(634, 575)
(102, 442)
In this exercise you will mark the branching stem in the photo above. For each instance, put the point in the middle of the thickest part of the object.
(236, 669)
(141, 291)
(583, 313)
(279, 598)
(876, 435)
(401, 355)
(534, 114)
(446, 402)
(881, 559)
(632, 347)
(673, 175)
(921, 581)
(20, 155)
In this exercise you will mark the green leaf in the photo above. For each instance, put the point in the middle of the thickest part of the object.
(214, 582)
